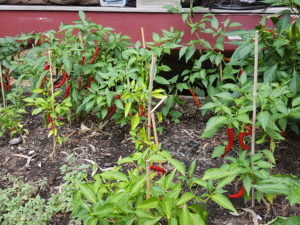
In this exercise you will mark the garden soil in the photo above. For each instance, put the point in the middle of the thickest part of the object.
(87, 144)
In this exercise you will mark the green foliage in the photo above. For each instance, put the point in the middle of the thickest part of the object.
(119, 197)
(293, 220)
(22, 205)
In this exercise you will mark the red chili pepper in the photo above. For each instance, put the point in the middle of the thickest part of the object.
(89, 81)
(239, 194)
(242, 71)
(46, 66)
(7, 77)
(63, 80)
(157, 169)
(50, 120)
(226, 59)
(118, 96)
(95, 55)
(112, 110)
(83, 59)
(230, 133)
(241, 138)
(79, 82)
(67, 92)
(141, 110)
(43, 82)
(282, 133)
(195, 97)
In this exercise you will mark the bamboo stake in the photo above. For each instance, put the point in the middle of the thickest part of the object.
(143, 37)
(2, 88)
(221, 72)
(154, 128)
(254, 109)
(148, 179)
(152, 74)
(52, 106)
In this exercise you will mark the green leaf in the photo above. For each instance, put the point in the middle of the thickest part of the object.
(226, 180)
(214, 23)
(270, 74)
(149, 203)
(167, 206)
(218, 151)
(152, 221)
(295, 83)
(37, 111)
(81, 15)
(269, 155)
(223, 201)
(264, 164)
(244, 118)
(88, 192)
(197, 219)
(161, 80)
(213, 124)
(127, 108)
(185, 217)
(235, 24)
(187, 196)
(114, 175)
(217, 173)
(179, 166)
(182, 51)
(192, 168)
(142, 213)
(247, 182)
(270, 188)
(296, 102)
(263, 118)
(190, 52)
(241, 52)
(135, 120)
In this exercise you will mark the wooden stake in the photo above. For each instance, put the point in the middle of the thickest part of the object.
(154, 128)
(152, 74)
(148, 179)
(254, 108)
(2, 88)
(221, 72)
(143, 37)
(52, 93)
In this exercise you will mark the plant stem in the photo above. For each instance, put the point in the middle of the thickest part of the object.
(2, 87)
(254, 109)
(150, 88)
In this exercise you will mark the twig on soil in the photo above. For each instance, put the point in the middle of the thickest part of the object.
(2, 87)
(254, 111)
(253, 214)
(25, 157)
(267, 205)
(152, 74)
